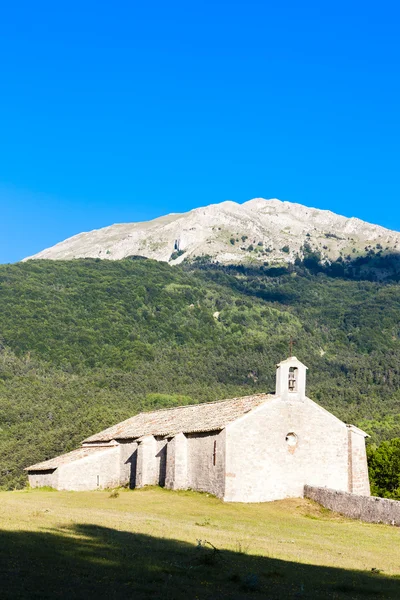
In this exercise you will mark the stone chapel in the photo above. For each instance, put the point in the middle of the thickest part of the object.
(252, 449)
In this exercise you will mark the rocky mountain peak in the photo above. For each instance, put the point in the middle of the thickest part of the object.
(258, 230)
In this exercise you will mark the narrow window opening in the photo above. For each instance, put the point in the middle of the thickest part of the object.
(215, 453)
(293, 373)
(98, 480)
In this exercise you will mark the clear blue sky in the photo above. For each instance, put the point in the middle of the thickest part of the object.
(123, 111)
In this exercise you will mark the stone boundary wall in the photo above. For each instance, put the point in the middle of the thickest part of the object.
(366, 508)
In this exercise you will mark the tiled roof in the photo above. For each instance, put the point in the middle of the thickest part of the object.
(209, 416)
(53, 463)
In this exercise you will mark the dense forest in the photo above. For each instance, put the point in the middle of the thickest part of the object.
(87, 343)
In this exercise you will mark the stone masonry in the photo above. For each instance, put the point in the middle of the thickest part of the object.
(358, 467)
(366, 508)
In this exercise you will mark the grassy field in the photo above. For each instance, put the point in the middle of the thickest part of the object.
(154, 543)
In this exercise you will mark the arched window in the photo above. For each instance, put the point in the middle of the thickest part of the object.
(293, 377)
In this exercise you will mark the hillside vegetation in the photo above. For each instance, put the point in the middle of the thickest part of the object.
(87, 343)
(154, 543)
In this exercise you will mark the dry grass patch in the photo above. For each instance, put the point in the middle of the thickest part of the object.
(154, 543)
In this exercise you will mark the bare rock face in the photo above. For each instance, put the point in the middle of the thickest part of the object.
(258, 230)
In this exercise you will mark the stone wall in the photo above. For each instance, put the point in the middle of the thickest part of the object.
(176, 471)
(366, 508)
(43, 478)
(95, 471)
(128, 460)
(358, 465)
(146, 466)
(263, 465)
(206, 462)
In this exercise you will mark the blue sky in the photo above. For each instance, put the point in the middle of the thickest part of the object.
(124, 111)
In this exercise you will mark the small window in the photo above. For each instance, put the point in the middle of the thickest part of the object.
(291, 439)
(215, 453)
(293, 373)
(98, 480)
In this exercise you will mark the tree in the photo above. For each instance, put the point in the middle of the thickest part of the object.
(384, 469)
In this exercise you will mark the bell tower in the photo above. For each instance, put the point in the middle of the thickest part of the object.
(291, 379)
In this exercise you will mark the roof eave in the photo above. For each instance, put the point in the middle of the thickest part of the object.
(40, 467)
(357, 430)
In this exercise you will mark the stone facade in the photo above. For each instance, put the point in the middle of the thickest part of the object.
(128, 462)
(98, 471)
(206, 462)
(43, 478)
(94, 471)
(358, 467)
(177, 463)
(252, 449)
(279, 447)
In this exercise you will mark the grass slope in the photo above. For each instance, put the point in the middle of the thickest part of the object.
(85, 344)
(142, 544)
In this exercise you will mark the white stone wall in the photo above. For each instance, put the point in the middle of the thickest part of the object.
(358, 466)
(128, 460)
(203, 475)
(177, 463)
(261, 466)
(170, 467)
(97, 470)
(43, 478)
(146, 466)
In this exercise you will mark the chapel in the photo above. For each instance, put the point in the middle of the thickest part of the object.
(252, 449)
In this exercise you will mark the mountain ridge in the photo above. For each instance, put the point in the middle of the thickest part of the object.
(258, 230)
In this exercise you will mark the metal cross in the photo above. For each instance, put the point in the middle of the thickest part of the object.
(291, 342)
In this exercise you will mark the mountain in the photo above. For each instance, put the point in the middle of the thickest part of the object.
(230, 233)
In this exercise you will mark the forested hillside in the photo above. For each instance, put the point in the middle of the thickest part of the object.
(87, 343)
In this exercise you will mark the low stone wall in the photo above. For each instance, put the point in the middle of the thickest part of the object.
(366, 508)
